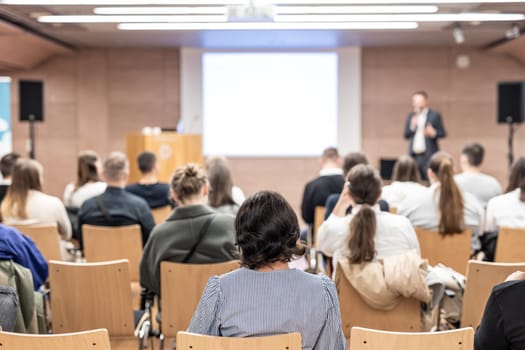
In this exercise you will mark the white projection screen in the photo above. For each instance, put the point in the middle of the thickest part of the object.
(269, 104)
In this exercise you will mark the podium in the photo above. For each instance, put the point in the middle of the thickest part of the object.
(172, 150)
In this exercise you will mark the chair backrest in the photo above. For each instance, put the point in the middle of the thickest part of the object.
(481, 278)
(370, 339)
(450, 250)
(181, 288)
(46, 238)
(190, 341)
(161, 214)
(91, 295)
(318, 219)
(510, 245)
(355, 312)
(104, 243)
(97, 339)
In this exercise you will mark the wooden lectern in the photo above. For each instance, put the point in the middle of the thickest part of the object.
(172, 150)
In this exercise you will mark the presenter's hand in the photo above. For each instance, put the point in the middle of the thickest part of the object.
(430, 131)
(345, 200)
(413, 122)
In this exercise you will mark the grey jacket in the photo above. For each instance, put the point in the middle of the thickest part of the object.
(174, 238)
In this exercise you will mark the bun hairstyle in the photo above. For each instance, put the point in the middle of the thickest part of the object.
(188, 181)
(517, 177)
(451, 206)
(364, 188)
(406, 170)
(267, 230)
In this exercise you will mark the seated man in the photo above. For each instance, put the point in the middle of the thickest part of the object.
(116, 207)
(155, 193)
(7, 163)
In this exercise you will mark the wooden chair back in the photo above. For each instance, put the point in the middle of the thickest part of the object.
(161, 214)
(355, 312)
(90, 296)
(450, 250)
(190, 341)
(370, 339)
(97, 339)
(181, 288)
(510, 245)
(105, 243)
(481, 278)
(46, 238)
(318, 219)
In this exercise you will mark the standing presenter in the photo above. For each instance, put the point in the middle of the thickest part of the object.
(423, 128)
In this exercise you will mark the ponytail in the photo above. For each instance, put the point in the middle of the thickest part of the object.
(451, 206)
(362, 232)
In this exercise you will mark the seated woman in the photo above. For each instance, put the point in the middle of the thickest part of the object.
(405, 180)
(224, 197)
(443, 207)
(265, 297)
(88, 183)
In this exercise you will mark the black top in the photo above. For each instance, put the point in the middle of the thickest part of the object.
(316, 192)
(123, 208)
(3, 192)
(503, 323)
(156, 195)
(332, 199)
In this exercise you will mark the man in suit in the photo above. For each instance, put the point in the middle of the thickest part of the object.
(423, 128)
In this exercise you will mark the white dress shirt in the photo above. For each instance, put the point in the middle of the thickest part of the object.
(506, 210)
(418, 144)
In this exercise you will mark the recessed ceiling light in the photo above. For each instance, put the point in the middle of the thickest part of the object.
(131, 19)
(436, 17)
(172, 10)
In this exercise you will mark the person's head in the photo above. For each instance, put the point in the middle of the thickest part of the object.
(267, 230)
(451, 206)
(364, 187)
(221, 182)
(330, 158)
(517, 177)
(147, 162)
(405, 170)
(27, 175)
(116, 169)
(419, 101)
(7, 164)
(471, 156)
(87, 168)
(351, 160)
(189, 185)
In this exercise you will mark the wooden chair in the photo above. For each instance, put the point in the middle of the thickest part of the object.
(318, 219)
(181, 288)
(46, 238)
(161, 214)
(190, 341)
(450, 250)
(355, 312)
(510, 245)
(369, 339)
(89, 340)
(481, 278)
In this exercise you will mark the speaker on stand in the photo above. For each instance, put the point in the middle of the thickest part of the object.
(511, 108)
(31, 97)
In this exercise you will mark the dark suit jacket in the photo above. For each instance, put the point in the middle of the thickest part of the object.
(431, 143)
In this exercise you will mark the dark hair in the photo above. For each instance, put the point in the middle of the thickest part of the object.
(421, 93)
(474, 153)
(221, 182)
(7, 163)
(405, 170)
(267, 230)
(351, 160)
(517, 177)
(364, 186)
(330, 153)
(451, 206)
(188, 181)
(26, 177)
(87, 168)
(146, 161)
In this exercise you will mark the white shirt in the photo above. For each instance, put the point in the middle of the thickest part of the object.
(505, 210)
(237, 195)
(331, 171)
(418, 144)
(89, 190)
(397, 191)
(394, 235)
(482, 186)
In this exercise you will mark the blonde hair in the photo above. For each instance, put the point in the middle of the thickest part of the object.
(188, 181)
(26, 177)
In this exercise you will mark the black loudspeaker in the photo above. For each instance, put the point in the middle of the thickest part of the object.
(511, 102)
(31, 93)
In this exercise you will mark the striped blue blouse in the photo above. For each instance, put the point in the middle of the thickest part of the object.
(246, 303)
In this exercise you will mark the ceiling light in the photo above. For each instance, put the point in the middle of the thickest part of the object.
(172, 10)
(267, 26)
(458, 35)
(131, 19)
(436, 17)
(354, 9)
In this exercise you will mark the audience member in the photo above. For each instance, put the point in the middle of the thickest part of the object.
(155, 193)
(194, 233)
(7, 164)
(222, 191)
(503, 325)
(88, 183)
(390, 234)
(443, 207)
(265, 297)
(116, 207)
(405, 180)
(472, 180)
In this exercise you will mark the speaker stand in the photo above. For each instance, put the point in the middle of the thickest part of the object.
(32, 136)
(512, 129)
